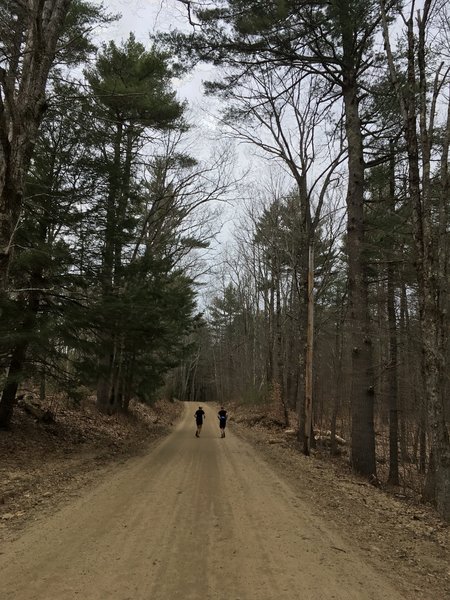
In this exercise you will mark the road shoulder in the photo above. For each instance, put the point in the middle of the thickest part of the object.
(405, 542)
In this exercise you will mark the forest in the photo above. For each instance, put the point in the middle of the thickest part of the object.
(331, 297)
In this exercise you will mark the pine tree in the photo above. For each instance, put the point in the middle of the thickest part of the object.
(31, 45)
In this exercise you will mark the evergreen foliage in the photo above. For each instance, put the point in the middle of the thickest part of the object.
(102, 296)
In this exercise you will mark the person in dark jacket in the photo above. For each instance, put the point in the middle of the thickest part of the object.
(222, 416)
(199, 417)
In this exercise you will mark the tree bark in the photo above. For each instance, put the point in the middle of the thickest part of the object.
(17, 361)
(404, 383)
(393, 477)
(363, 391)
(107, 336)
(392, 379)
(22, 105)
(309, 356)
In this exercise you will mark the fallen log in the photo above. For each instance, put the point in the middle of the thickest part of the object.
(32, 408)
(325, 438)
(293, 432)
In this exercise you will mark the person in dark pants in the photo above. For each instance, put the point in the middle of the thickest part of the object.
(222, 415)
(199, 417)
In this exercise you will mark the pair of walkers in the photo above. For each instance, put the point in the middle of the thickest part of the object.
(200, 417)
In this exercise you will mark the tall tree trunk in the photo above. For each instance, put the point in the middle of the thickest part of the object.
(405, 399)
(393, 477)
(292, 365)
(22, 105)
(309, 356)
(271, 342)
(278, 340)
(15, 375)
(392, 379)
(338, 346)
(363, 391)
(301, 277)
(17, 362)
(439, 468)
(19, 351)
(107, 336)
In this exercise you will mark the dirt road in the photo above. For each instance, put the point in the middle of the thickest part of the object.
(193, 519)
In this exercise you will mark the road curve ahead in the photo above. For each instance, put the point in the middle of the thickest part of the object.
(194, 519)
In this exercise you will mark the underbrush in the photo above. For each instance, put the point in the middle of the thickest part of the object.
(42, 463)
(269, 416)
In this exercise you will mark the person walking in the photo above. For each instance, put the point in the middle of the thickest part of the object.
(222, 416)
(199, 418)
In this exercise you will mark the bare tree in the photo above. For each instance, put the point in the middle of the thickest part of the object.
(284, 115)
(418, 99)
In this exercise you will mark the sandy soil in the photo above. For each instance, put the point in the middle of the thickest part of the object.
(210, 518)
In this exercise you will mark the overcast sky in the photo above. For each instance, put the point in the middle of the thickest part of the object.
(145, 17)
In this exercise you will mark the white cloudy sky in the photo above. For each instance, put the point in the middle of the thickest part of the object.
(144, 17)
